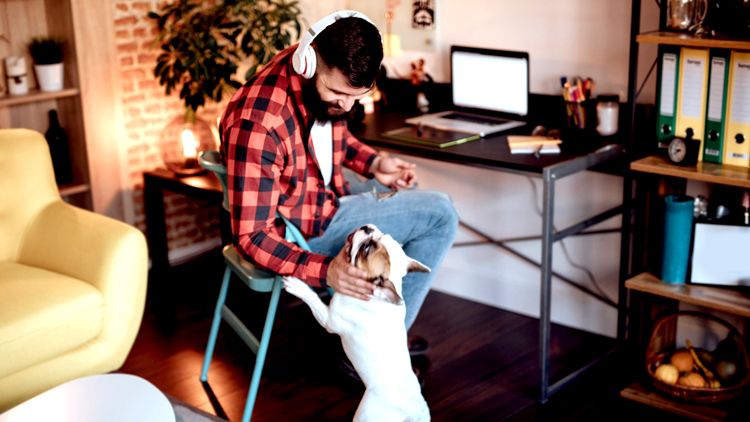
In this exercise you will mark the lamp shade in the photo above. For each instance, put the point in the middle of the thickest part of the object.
(182, 141)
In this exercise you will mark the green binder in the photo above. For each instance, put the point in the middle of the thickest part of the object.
(666, 92)
(718, 79)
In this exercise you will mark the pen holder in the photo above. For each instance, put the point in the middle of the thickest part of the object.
(678, 229)
(580, 115)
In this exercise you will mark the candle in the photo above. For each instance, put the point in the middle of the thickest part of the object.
(188, 144)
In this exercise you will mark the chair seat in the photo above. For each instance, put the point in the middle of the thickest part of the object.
(43, 314)
(256, 279)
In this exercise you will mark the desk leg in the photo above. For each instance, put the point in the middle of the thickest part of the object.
(545, 328)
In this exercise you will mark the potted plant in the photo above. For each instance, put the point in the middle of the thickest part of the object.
(47, 53)
(204, 43)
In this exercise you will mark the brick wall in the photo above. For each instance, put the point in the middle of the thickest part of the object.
(190, 223)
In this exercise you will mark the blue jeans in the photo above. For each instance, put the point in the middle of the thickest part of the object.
(424, 222)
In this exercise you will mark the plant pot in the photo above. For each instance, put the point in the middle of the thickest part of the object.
(49, 76)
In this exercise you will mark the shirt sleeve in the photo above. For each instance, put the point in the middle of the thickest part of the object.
(254, 164)
(358, 156)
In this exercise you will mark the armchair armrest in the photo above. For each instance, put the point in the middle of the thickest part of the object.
(110, 255)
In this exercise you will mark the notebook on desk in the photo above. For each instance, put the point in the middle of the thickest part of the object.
(430, 136)
(490, 92)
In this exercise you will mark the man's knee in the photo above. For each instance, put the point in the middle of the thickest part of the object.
(442, 204)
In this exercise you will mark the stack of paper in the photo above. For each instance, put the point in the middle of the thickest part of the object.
(532, 144)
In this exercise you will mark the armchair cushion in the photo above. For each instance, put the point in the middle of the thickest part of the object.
(44, 314)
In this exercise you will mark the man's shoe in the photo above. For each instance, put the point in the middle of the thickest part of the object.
(417, 346)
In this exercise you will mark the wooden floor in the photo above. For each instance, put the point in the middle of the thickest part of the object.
(482, 366)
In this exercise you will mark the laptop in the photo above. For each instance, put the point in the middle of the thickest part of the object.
(490, 92)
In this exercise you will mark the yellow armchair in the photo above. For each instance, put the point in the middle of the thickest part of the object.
(72, 283)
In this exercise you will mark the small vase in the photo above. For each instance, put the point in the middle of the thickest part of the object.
(49, 76)
(15, 72)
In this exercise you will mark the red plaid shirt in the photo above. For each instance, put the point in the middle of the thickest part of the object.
(271, 166)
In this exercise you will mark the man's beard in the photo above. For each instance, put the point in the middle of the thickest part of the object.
(320, 110)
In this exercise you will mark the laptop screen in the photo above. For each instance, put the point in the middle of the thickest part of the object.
(492, 80)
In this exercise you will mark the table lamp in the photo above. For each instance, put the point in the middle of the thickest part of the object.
(182, 141)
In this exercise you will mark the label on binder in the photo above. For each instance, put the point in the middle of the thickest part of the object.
(716, 90)
(692, 87)
(741, 94)
(669, 73)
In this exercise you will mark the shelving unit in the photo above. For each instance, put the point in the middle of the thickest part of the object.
(89, 107)
(689, 40)
(726, 300)
(660, 295)
(36, 95)
(35, 18)
(706, 172)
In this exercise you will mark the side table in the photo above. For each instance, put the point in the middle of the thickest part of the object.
(205, 187)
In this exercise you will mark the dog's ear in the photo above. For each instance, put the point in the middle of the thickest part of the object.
(387, 291)
(416, 267)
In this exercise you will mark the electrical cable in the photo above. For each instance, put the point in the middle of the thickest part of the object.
(575, 265)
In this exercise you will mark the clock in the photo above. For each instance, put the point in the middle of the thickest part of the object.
(684, 151)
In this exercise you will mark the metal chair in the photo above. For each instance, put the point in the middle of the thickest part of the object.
(255, 279)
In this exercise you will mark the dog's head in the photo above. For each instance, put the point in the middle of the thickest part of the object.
(383, 259)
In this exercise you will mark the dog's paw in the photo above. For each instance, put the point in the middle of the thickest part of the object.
(296, 286)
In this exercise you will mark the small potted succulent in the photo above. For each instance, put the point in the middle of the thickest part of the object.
(47, 53)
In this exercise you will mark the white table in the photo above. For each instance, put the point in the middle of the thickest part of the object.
(108, 397)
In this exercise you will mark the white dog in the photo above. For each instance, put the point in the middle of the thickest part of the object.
(373, 332)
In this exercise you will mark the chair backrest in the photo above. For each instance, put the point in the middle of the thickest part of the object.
(27, 184)
(211, 160)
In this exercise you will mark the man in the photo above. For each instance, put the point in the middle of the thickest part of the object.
(285, 141)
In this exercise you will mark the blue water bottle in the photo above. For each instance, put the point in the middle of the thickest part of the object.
(678, 229)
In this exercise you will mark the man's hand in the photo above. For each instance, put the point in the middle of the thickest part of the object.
(394, 172)
(347, 279)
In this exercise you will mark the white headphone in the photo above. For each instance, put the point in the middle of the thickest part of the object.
(304, 59)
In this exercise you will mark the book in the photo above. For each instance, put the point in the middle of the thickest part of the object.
(532, 144)
(429, 136)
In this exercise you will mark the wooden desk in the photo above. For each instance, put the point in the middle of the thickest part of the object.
(493, 153)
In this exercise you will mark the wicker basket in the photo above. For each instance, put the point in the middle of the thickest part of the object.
(695, 394)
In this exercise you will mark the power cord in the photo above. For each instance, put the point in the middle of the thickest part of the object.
(573, 264)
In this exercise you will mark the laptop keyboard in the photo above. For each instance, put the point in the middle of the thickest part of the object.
(474, 119)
